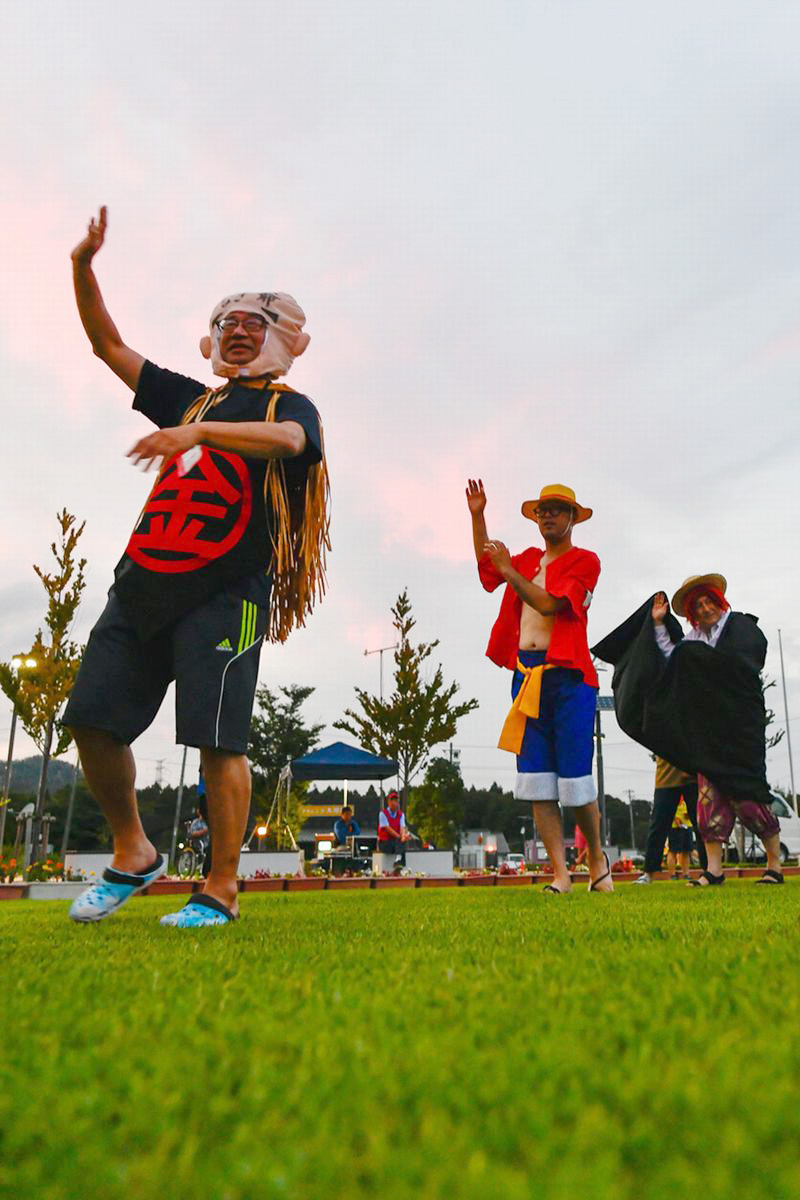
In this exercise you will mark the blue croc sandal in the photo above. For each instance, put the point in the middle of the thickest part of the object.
(199, 912)
(111, 892)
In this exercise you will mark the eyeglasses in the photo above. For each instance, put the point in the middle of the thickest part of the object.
(551, 510)
(249, 324)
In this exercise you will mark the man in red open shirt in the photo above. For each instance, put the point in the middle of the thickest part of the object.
(540, 635)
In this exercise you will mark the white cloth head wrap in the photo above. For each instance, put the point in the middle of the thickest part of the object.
(284, 339)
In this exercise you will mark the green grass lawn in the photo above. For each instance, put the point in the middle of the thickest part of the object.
(441, 1044)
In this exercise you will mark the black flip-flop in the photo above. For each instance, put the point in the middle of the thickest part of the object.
(713, 880)
(556, 891)
(771, 877)
(593, 885)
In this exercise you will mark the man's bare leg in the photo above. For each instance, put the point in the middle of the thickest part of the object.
(111, 775)
(228, 789)
(772, 845)
(547, 815)
(588, 819)
(714, 857)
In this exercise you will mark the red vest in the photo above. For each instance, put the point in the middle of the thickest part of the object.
(395, 825)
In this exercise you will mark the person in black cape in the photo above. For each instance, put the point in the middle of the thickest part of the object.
(697, 701)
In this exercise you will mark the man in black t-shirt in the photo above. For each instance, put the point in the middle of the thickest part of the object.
(239, 509)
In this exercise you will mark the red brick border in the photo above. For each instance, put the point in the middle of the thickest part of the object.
(321, 883)
(13, 891)
(262, 885)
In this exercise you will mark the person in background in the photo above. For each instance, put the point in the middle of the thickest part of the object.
(345, 827)
(392, 830)
(202, 809)
(581, 848)
(679, 843)
(672, 787)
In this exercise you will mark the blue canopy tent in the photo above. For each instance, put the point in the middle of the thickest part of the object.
(337, 761)
(340, 761)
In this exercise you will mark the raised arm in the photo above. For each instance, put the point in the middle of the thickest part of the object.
(529, 592)
(476, 502)
(100, 329)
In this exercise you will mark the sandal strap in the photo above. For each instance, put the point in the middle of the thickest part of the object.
(712, 879)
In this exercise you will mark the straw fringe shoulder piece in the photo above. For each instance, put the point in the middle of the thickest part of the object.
(300, 533)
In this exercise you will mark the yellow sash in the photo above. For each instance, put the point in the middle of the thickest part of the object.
(526, 704)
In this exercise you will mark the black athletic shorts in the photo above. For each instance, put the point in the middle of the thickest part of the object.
(679, 839)
(212, 654)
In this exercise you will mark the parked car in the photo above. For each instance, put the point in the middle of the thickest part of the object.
(790, 835)
(516, 862)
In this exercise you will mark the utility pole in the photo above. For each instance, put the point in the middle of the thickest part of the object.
(37, 848)
(788, 734)
(176, 822)
(70, 808)
(630, 810)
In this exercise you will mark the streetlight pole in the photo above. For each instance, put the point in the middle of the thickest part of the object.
(17, 664)
(381, 650)
(604, 704)
(788, 734)
(7, 780)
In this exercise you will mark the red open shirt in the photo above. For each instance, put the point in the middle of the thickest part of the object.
(574, 576)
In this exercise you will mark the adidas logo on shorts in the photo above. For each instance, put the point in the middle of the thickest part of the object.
(225, 644)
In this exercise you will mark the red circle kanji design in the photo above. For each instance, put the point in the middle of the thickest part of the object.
(191, 520)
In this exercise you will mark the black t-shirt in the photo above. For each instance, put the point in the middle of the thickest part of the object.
(205, 527)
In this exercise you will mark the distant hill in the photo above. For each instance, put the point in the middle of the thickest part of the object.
(25, 775)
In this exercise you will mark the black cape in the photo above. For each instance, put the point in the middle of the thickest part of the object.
(702, 709)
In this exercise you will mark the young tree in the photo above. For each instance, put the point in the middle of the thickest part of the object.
(278, 732)
(436, 807)
(417, 716)
(40, 693)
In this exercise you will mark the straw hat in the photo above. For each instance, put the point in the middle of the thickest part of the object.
(679, 599)
(556, 491)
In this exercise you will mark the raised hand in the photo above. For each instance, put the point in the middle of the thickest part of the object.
(476, 496)
(660, 607)
(85, 251)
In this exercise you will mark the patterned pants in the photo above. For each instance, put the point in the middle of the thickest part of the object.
(717, 812)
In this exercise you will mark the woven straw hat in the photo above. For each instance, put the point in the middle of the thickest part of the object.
(556, 491)
(679, 599)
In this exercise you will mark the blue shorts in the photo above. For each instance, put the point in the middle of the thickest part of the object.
(557, 749)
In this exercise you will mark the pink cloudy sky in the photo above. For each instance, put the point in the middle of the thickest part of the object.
(553, 243)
